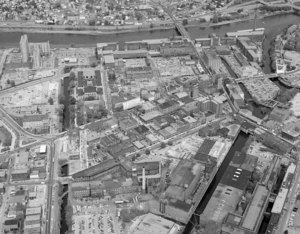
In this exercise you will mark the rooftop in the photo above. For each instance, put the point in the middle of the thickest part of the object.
(97, 169)
(236, 177)
(255, 208)
(150, 223)
(224, 200)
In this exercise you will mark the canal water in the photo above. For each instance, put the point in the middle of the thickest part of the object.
(273, 25)
(236, 147)
(63, 221)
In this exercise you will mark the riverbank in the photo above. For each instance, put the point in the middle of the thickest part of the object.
(93, 30)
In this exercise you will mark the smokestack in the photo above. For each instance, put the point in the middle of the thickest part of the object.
(144, 180)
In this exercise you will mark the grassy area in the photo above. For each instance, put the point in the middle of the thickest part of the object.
(5, 136)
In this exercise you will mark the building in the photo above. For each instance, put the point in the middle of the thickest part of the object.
(36, 123)
(107, 167)
(24, 46)
(89, 84)
(279, 114)
(254, 214)
(204, 42)
(11, 225)
(177, 47)
(255, 35)
(279, 201)
(168, 106)
(236, 95)
(290, 132)
(212, 105)
(213, 61)
(20, 174)
(150, 223)
(249, 49)
(36, 58)
(185, 178)
(152, 170)
(106, 188)
(109, 60)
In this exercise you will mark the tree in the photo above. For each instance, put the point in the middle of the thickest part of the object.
(170, 143)
(72, 101)
(215, 19)
(147, 152)
(90, 98)
(185, 22)
(162, 145)
(92, 22)
(12, 83)
(50, 101)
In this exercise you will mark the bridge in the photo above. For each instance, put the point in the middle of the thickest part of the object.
(64, 194)
(183, 32)
(262, 77)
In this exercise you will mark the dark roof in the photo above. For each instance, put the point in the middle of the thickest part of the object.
(98, 78)
(11, 222)
(272, 223)
(168, 104)
(186, 99)
(90, 89)
(141, 129)
(80, 92)
(236, 178)
(97, 169)
(81, 81)
(20, 192)
(180, 205)
(204, 158)
(206, 146)
(149, 166)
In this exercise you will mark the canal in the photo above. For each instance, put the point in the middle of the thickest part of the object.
(273, 25)
(63, 217)
(236, 147)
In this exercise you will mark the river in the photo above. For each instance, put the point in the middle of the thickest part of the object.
(272, 24)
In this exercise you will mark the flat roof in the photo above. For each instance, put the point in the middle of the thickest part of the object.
(43, 149)
(236, 177)
(256, 206)
(97, 169)
(109, 58)
(150, 223)
(279, 201)
(224, 200)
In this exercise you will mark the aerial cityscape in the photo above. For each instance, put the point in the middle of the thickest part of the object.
(150, 116)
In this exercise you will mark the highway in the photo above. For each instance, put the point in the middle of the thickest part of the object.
(17, 128)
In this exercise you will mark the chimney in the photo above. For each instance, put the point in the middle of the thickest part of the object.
(144, 180)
